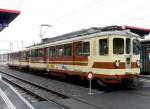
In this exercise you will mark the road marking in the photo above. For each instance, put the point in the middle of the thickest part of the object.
(7, 100)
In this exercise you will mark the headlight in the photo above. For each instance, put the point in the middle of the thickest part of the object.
(138, 63)
(117, 63)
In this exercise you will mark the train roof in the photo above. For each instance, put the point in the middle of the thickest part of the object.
(6, 17)
(108, 30)
(140, 31)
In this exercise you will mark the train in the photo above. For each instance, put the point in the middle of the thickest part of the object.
(111, 53)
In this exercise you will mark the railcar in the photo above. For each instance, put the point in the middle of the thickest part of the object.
(14, 59)
(24, 59)
(111, 53)
(19, 59)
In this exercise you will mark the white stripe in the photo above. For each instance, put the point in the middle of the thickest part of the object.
(7, 100)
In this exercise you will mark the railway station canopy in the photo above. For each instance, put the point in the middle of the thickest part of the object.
(6, 17)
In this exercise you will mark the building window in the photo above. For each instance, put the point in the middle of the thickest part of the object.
(68, 50)
(118, 46)
(86, 48)
(103, 46)
(128, 46)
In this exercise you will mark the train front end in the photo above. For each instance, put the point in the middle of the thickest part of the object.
(118, 60)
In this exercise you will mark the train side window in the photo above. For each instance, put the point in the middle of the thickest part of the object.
(118, 46)
(40, 52)
(86, 49)
(136, 47)
(68, 50)
(59, 51)
(52, 52)
(34, 53)
(79, 49)
(103, 46)
(128, 46)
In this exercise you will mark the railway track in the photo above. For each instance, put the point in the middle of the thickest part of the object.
(54, 95)
(38, 92)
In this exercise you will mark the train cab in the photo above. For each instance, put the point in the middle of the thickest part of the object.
(118, 58)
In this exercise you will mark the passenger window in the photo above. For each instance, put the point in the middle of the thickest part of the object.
(128, 46)
(59, 51)
(86, 49)
(68, 50)
(40, 52)
(118, 46)
(103, 46)
(52, 52)
(34, 53)
(79, 49)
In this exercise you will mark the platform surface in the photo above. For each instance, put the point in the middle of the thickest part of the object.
(10, 99)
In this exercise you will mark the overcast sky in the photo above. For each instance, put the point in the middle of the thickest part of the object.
(69, 15)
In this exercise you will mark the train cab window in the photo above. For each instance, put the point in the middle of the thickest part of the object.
(118, 46)
(136, 47)
(128, 46)
(103, 46)
(79, 49)
(86, 48)
(68, 50)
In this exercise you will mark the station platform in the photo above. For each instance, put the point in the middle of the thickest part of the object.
(145, 76)
(10, 99)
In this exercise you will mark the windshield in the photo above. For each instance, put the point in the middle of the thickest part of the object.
(136, 46)
(118, 46)
(128, 45)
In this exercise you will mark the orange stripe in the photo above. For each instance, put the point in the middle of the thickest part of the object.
(108, 65)
(66, 63)
(111, 65)
(70, 63)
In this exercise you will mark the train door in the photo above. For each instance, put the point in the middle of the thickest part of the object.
(128, 56)
(47, 58)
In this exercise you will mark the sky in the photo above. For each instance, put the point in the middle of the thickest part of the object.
(66, 16)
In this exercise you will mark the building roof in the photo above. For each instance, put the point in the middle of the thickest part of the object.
(6, 17)
(140, 31)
